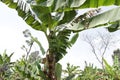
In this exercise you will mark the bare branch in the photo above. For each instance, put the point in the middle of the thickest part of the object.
(93, 48)
(101, 46)
(106, 40)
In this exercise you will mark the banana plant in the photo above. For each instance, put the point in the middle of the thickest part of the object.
(57, 19)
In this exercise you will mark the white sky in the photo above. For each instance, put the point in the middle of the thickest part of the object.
(11, 39)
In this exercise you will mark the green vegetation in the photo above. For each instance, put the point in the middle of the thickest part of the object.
(32, 70)
(57, 20)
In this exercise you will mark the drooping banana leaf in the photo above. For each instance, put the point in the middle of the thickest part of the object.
(25, 12)
(111, 16)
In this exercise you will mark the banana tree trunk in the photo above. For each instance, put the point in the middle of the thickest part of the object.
(51, 66)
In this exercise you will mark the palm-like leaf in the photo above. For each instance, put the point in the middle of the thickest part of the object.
(25, 12)
(58, 43)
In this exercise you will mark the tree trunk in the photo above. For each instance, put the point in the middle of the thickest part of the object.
(49, 68)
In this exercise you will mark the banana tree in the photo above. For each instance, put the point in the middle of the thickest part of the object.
(57, 19)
